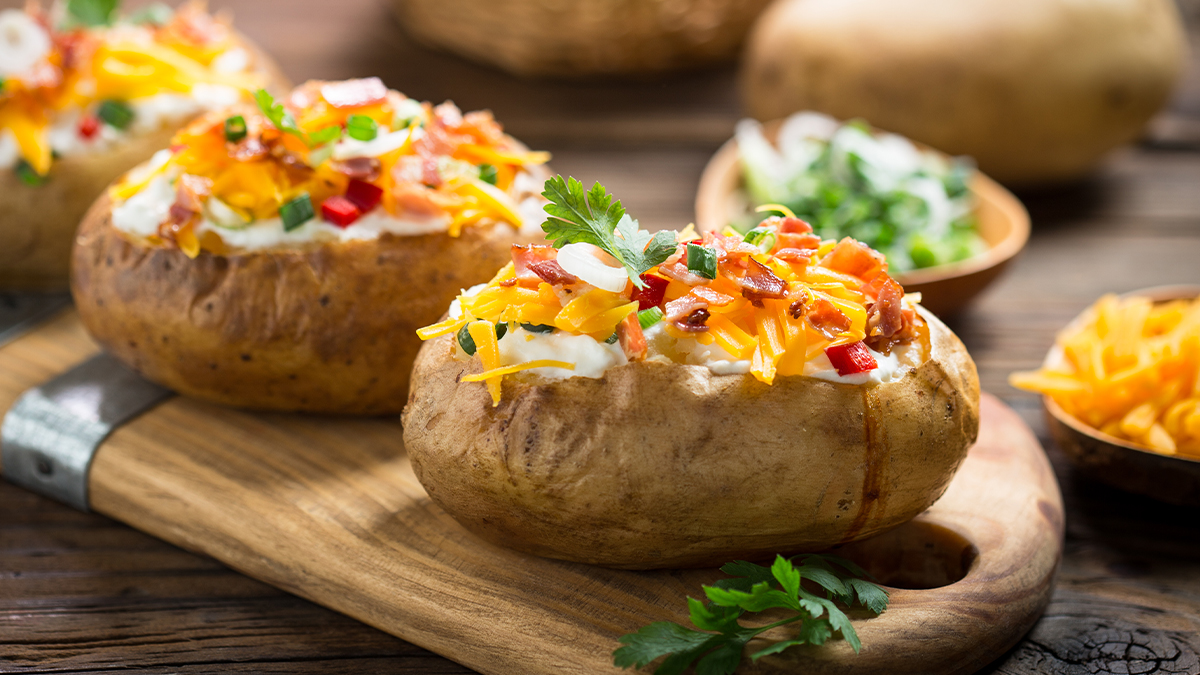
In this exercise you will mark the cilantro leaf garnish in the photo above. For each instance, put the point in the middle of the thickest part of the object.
(595, 218)
(716, 648)
(285, 122)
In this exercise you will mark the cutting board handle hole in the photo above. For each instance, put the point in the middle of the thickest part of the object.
(916, 555)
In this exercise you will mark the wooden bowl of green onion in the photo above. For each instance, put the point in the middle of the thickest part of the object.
(851, 180)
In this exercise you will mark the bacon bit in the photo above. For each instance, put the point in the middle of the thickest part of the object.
(688, 314)
(729, 246)
(552, 273)
(429, 172)
(298, 169)
(760, 283)
(354, 93)
(852, 257)
(792, 224)
(884, 318)
(249, 149)
(800, 299)
(680, 272)
(652, 294)
(713, 298)
(447, 115)
(632, 339)
(359, 168)
(794, 256)
(827, 319)
(525, 256)
(512, 281)
(190, 193)
(483, 127)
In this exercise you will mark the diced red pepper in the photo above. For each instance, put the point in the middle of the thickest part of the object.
(852, 358)
(652, 294)
(339, 211)
(364, 195)
(88, 126)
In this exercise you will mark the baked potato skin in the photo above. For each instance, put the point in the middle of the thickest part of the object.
(330, 328)
(38, 223)
(661, 465)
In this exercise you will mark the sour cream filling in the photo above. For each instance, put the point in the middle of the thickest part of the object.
(592, 358)
(144, 211)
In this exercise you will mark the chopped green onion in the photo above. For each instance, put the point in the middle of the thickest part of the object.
(487, 173)
(537, 328)
(116, 114)
(762, 237)
(235, 128)
(649, 317)
(2, 80)
(468, 343)
(320, 154)
(702, 260)
(28, 175)
(157, 14)
(611, 339)
(361, 128)
(91, 12)
(296, 212)
(323, 135)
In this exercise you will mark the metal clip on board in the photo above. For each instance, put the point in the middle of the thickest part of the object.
(52, 432)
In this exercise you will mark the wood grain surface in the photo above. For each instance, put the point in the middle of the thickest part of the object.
(329, 509)
(81, 593)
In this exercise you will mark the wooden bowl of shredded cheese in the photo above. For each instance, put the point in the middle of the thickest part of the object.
(1121, 389)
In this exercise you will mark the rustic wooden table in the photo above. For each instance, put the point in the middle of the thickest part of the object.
(81, 593)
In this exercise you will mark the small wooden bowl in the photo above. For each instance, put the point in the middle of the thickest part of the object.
(1002, 220)
(1170, 478)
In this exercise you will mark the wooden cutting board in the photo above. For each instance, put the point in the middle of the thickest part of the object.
(329, 509)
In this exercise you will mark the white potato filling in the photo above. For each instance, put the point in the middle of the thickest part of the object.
(592, 358)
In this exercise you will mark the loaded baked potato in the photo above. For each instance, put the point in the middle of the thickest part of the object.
(644, 402)
(80, 106)
(281, 257)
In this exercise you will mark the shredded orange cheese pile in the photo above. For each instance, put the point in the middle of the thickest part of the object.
(1130, 368)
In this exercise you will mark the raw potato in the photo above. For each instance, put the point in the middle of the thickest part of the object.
(1035, 90)
(665, 465)
(37, 224)
(583, 37)
(329, 328)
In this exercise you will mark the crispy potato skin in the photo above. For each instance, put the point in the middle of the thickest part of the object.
(662, 465)
(37, 224)
(328, 329)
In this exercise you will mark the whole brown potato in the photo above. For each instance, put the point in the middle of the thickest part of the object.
(326, 328)
(37, 223)
(658, 464)
(583, 37)
(1035, 90)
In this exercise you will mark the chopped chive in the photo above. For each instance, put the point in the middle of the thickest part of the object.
(468, 343)
(762, 237)
(296, 212)
(702, 260)
(649, 317)
(116, 114)
(235, 128)
(361, 128)
(2, 81)
(537, 328)
(487, 173)
(611, 339)
(28, 175)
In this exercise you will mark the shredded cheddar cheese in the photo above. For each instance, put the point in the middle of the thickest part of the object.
(1131, 369)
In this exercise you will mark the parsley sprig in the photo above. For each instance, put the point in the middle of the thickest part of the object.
(285, 122)
(754, 588)
(596, 218)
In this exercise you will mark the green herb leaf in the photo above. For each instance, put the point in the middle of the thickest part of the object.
(596, 218)
(282, 120)
(361, 128)
(466, 341)
(116, 114)
(537, 328)
(91, 12)
(296, 212)
(702, 260)
(235, 128)
(716, 649)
